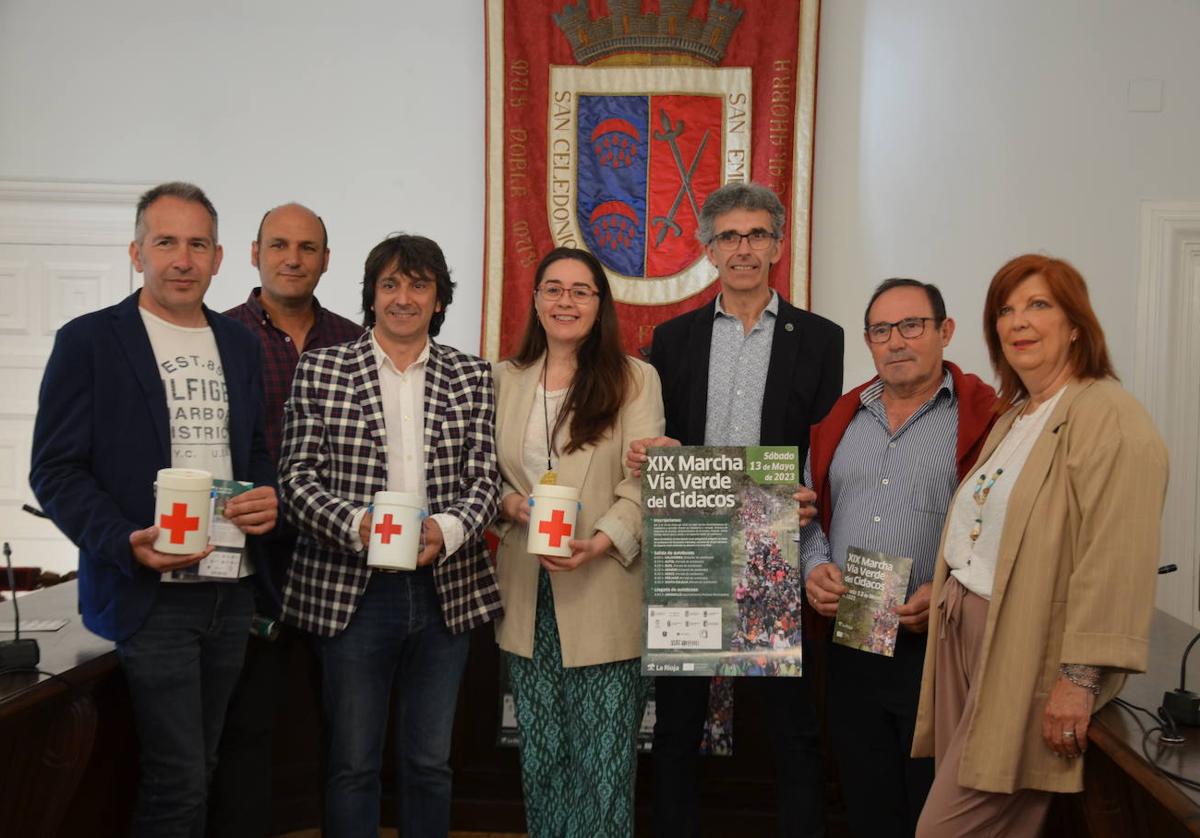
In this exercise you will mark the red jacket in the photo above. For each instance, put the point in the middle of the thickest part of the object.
(976, 413)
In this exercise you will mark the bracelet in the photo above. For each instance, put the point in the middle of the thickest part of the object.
(1081, 675)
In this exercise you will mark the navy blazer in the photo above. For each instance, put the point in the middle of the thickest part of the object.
(102, 433)
(804, 377)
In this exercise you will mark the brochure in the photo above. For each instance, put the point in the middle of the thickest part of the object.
(224, 563)
(865, 619)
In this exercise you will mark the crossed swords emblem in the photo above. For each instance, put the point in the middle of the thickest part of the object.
(671, 131)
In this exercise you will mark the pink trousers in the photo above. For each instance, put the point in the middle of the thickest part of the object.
(951, 810)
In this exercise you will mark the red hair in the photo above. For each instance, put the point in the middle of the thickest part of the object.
(1088, 353)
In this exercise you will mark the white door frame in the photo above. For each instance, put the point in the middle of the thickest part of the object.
(61, 215)
(1167, 381)
(62, 212)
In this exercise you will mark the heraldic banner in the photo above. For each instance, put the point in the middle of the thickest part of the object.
(610, 121)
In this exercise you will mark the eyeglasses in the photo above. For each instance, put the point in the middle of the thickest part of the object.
(910, 327)
(732, 240)
(579, 293)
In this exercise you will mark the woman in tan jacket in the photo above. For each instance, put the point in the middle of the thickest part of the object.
(569, 403)
(1045, 587)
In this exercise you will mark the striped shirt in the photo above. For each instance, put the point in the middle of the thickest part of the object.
(737, 376)
(890, 492)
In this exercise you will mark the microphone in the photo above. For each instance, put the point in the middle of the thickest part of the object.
(17, 653)
(1182, 704)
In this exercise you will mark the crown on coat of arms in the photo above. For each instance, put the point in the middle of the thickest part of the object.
(627, 36)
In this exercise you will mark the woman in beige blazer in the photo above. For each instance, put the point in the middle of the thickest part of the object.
(569, 403)
(1045, 584)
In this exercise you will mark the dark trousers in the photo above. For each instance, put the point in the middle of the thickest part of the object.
(398, 655)
(681, 705)
(182, 666)
(871, 713)
(239, 799)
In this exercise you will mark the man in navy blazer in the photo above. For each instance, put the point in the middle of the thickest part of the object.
(157, 381)
(744, 369)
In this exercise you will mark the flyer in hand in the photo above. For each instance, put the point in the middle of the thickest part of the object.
(722, 572)
(865, 619)
(224, 563)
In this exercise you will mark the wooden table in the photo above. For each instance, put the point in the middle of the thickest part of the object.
(1123, 794)
(68, 751)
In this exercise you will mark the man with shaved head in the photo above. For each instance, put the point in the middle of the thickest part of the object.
(291, 253)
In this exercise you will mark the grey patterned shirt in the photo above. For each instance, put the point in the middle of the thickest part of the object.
(737, 376)
(890, 492)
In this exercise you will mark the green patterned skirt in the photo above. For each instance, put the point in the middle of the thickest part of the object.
(578, 729)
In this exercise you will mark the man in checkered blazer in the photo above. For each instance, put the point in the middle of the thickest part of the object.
(393, 411)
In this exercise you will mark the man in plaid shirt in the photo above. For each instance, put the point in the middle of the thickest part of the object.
(291, 253)
(392, 411)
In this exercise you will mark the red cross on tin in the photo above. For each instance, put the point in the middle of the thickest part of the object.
(386, 529)
(555, 528)
(178, 523)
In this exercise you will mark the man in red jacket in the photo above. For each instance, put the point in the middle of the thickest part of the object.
(884, 464)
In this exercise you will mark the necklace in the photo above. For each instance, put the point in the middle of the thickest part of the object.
(982, 489)
(549, 478)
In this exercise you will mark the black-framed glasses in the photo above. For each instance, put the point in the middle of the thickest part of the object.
(909, 327)
(551, 292)
(732, 239)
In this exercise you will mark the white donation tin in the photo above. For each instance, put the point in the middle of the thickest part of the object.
(553, 512)
(395, 531)
(182, 510)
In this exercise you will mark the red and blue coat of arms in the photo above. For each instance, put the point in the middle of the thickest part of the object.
(609, 124)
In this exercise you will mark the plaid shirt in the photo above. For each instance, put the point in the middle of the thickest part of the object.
(335, 460)
(280, 356)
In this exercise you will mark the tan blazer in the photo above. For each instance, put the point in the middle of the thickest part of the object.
(1074, 583)
(599, 605)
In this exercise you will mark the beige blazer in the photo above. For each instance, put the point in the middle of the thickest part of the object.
(1074, 583)
(599, 605)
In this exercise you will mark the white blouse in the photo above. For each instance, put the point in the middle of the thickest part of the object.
(981, 503)
(534, 451)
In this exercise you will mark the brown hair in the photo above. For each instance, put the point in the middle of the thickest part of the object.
(602, 375)
(413, 256)
(1088, 352)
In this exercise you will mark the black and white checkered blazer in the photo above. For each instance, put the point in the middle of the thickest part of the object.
(334, 460)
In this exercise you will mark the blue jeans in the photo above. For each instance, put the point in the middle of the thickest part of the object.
(396, 634)
(182, 665)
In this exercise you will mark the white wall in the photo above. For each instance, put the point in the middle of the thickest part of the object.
(369, 112)
(952, 136)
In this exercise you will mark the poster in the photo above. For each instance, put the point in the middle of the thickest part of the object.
(723, 583)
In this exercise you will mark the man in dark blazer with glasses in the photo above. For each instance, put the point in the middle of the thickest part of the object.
(744, 369)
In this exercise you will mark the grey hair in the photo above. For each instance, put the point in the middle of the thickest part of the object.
(743, 196)
(175, 189)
